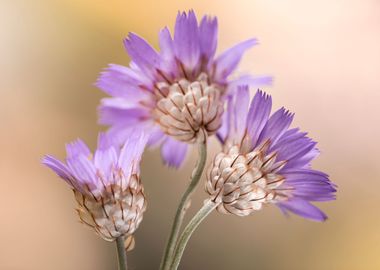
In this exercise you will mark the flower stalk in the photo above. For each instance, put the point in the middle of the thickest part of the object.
(207, 208)
(121, 253)
(183, 205)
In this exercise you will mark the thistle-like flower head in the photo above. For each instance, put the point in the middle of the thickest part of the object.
(263, 161)
(106, 185)
(177, 94)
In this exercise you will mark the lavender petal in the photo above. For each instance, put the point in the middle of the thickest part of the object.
(304, 209)
(186, 39)
(174, 152)
(228, 61)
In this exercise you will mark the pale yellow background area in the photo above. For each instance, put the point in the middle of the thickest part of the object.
(325, 58)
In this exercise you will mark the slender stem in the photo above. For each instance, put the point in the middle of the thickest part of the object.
(178, 219)
(121, 254)
(207, 208)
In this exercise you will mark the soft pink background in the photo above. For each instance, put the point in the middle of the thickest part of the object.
(325, 57)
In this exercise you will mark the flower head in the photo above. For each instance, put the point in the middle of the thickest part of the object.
(263, 161)
(106, 185)
(176, 95)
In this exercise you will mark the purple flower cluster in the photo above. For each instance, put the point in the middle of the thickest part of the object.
(176, 97)
(276, 159)
(174, 94)
(106, 185)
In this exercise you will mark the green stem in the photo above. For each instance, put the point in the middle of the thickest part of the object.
(121, 254)
(178, 219)
(207, 208)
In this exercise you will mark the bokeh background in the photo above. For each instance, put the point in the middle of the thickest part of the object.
(325, 58)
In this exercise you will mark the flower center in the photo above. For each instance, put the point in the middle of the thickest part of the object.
(241, 183)
(189, 110)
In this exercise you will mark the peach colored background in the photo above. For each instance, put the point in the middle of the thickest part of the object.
(325, 57)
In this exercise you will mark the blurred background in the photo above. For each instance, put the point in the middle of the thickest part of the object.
(325, 58)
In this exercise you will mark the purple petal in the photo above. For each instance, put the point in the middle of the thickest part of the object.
(168, 63)
(303, 160)
(123, 82)
(310, 185)
(238, 110)
(290, 136)
(156, 136)
(228, 61)
(120, 112)
(186, 40)
(303, 208)
(141, 53)
(121, 132)
(251, 81)
(105, 157)
(166, 44)
(131, 152)
(299, 154)
(173, 152)
(222, 132)
(276, 126)
(321, 195)
(83, 170)
(306, 176)
(258, 115)
(296, 148)
(208, 37)
(286, 145)
(226, 131)
(59, 168)
(123, 103)
(104, 161)
(76, 148)
(241, 108)
(104, 141)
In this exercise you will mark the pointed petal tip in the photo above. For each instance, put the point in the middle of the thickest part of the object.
(267, 80)
(130, 36)
(208, 19)
(104, 141)
(243, 87)
(322, 218)
(77, 147)
(46, 159)
(303, 208)
(174, 153)
(165, 29)
(264, 95)
(191, 13)
(186, 14)
(172, 165)
(251, 42)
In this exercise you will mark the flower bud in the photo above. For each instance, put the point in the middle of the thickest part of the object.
(107, 187)
(115, 212)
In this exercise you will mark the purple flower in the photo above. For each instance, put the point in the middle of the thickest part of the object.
(106, 185)
(263, 161)
(177, 94)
